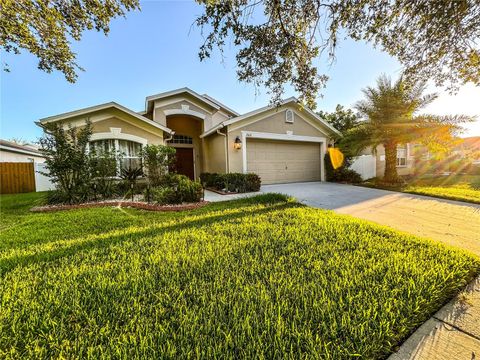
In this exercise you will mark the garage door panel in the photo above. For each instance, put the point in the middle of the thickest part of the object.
(283, 161)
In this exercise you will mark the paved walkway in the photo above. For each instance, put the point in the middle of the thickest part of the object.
(452, 333)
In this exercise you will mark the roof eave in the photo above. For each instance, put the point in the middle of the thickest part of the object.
(100, 107)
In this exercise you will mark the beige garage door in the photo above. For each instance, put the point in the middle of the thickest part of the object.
(283, 161)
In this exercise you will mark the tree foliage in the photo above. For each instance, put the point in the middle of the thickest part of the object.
(46, 28)
(67, 160)
(341, 119)
(280, 41)
(156, 162)
(390, 113)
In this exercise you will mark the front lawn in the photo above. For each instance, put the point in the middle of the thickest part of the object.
(262, 277)
(454, 187)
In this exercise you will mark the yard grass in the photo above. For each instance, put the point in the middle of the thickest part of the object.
(453, 187)
(262, 277)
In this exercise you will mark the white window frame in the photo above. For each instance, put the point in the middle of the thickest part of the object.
(399, 158)
(116, 135)
(292, 116)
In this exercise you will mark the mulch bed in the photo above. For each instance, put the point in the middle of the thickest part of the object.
(131, 204)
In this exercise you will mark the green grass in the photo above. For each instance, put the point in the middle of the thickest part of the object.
(262, 277)
(454, 187)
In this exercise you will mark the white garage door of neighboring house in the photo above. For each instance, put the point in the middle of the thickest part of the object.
(283, 161)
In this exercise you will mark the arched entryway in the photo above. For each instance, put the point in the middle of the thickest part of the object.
(188, 144)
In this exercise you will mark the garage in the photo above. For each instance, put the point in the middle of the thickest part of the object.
(278, 161)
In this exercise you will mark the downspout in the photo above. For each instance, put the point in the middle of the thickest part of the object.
(169, 138)
(226, 150)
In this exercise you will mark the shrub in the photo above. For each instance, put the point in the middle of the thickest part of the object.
(156, 161)
(342, 174)
(253, 182)
(233, 182)
(129, 177)
(103, 168)
(67, 162)
(176, 189)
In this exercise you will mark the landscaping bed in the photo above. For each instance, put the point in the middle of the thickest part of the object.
(257, 277)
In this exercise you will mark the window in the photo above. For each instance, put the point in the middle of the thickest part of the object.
(401, 156)
(181, 139)
(130, 154)
(129, 151)
(289, 116)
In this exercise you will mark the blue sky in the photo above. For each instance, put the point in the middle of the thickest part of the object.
(155, 50)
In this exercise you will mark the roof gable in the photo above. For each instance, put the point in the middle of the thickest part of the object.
(290, 101)
(92, 109)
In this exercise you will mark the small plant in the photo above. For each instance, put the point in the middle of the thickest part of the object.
(103, 171)
(130, 177)
(156, 160)
(343, 173)
(176, 189)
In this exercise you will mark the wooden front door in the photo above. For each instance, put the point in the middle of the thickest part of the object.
(184, 162)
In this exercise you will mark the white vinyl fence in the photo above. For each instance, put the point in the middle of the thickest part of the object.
(365, 165)
(42, 182)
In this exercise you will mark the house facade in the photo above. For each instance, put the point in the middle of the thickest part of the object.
(376, 161)
(286, 143)
(13, 152)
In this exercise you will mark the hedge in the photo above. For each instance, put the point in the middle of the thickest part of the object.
(232, 182)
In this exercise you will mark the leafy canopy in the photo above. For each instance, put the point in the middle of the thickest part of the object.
(390, 113)
(280, 41)
(46, 28)
(341, 119)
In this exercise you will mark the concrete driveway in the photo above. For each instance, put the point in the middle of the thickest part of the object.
(452, 222)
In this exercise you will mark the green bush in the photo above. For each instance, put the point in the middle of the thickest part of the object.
(177, 189)
(103, 167)
(67, 161)
(156, 161)
(342, 174)
(232, 182)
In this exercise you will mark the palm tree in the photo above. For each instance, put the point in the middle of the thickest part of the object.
(390, 117)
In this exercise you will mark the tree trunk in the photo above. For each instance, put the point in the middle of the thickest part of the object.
(390, 175)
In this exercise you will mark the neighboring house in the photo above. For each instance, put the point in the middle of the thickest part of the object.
(281, 144)
(468, 148)
(405, 159)
(13, 152)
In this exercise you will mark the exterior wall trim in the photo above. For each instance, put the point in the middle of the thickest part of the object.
(116, 133)
(285, 137)
(169, 112)
(162, 103)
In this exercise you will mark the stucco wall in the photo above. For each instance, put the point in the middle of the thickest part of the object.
(214, 152)
(409, 169)
(176, 104)
(273, 122)
(154, 137)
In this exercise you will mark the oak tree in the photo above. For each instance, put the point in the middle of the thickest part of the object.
(283, 41)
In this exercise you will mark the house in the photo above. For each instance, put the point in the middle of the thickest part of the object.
(468, 148)
(281, 144)
(376, 161)
(13, 152)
